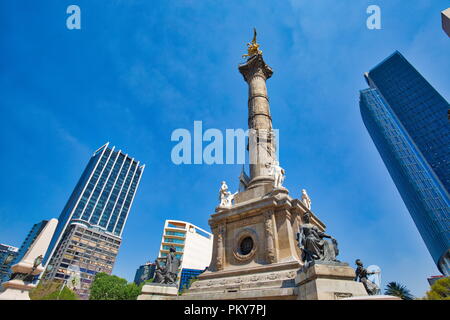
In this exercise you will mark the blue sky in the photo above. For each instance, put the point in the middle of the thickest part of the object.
(137, 70)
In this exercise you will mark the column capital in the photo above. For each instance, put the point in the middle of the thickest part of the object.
(255, 65)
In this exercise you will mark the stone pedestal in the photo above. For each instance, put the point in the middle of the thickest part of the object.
(375, 297)
(157, 291)
(328, 281)
(20, 285)
(269, 282)
(16, 290)
(255, 254)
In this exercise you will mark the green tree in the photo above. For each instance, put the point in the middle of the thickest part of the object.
(110, 287)
(51, 290)
(64, 294)
(440, 290)
(398, 290)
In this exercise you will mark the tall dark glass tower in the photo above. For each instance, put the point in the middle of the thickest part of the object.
(407, 120)
(90, 226)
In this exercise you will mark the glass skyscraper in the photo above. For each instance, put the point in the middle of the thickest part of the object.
(90, 226)
(144, 273)
(407, 120)
(7, 256)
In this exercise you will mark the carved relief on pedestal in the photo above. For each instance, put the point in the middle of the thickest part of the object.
(270, 247)
(272, 276)
(254, 278)
(220, 246)
(249, 281)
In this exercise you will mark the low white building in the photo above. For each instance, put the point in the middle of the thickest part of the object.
(193, 247)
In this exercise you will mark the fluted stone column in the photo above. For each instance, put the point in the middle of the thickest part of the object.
(261, 138)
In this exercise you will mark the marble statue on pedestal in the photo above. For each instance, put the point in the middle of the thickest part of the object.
(361, 276)
(278, 174)
(225, 196)
(306, 199)
(314, 245)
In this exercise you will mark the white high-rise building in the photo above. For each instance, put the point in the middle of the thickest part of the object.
(193, 247)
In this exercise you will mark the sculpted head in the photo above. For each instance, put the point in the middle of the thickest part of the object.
(307, 217)
(359, 263)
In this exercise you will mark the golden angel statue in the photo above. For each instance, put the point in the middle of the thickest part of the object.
(252, 47)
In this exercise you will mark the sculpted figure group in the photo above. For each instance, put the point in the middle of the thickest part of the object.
(167, 274)
(316, 248)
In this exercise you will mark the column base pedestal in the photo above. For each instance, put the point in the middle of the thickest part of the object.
(328, 281)
(16, 290)
(267, 282)
(157, 291)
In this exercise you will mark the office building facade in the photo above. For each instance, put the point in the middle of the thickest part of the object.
(7, 256)
(91, 224)
(193, 247)
(91, 250)
(144, 273)
(187, 275)
(407, 120)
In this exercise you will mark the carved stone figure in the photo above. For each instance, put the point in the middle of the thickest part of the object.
(314, 245)
(361, 276)
(225, 196)
(306, 199)
(278, 174)
(167, 274)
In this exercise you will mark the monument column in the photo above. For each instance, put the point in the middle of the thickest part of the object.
(261, 139)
